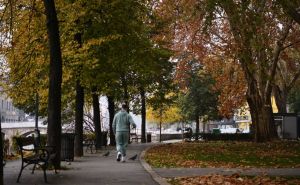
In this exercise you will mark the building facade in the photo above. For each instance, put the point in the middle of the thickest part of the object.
(8, 112)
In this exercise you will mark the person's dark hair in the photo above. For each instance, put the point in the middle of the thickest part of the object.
(124, 106)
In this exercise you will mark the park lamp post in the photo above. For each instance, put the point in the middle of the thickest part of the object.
(37, 131)
(160, 121)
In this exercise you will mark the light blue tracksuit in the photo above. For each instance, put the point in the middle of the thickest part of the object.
(121, 127)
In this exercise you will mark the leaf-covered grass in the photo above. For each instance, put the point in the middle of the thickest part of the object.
(225, 154)
(234, 180)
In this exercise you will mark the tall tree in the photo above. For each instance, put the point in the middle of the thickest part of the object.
(288, 70)
(247, 32)
(26, 54)
(96, 118)
(162, 95)
(199, 98)
(111, 110)
(143, 114)
(260, 70)
(55, 78)
(79, 103)
(79, 120)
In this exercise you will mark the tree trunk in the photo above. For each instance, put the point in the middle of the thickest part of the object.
(96, 120)
(55, 79)
(111, 110)
(126, 98)
(79, 120)
(262, 117)
(79, 104)
(280, 99)
(143, 114)
(125, 88)
(197, 127)
(259, 71)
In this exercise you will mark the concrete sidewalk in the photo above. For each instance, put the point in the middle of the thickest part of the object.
(91, 169)
(95, 169)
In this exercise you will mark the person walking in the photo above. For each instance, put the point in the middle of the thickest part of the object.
(121, 127)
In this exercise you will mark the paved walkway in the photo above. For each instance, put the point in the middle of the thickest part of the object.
(95, 169)
(91, 169)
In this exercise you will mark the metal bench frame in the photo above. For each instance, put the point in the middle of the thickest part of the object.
(40, 156)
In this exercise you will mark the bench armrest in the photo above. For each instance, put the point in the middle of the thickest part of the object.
(44, 154)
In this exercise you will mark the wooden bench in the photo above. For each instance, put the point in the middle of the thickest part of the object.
(135, 137)
(89, 144)
(35, 155)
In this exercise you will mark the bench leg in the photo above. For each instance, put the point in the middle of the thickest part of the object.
(89, 147)
(20, 173)
(32, 172)
(18, 180)
(44, 169)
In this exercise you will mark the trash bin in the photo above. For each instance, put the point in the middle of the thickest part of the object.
(3, 136)
(148, 137)
(67, 147)
(4, 149)
(216, 131)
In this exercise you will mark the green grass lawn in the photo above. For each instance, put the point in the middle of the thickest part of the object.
(226, 154)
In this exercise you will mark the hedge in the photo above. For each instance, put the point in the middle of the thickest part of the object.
(225, 137)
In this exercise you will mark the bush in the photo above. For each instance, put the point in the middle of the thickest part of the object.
(43, 139)
(89, 136)
(14, 144)
(225, 137)
(43, 142)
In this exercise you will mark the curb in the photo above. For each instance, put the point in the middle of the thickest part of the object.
(147, 167)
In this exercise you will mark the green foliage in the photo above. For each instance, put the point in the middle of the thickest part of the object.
(163, 91)
(25, 55)
(43, 139)
(105, 44)
(14, 144)
(294, 100)
(199, 99)
(89, 136)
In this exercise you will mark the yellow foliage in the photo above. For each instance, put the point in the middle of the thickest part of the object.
(170, 115)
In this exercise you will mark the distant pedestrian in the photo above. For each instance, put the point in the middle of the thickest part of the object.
(121, 127)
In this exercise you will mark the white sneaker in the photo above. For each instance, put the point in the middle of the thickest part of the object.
(119, 156)
(123, 159)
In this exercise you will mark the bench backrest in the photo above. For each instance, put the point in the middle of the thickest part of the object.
(25, 141)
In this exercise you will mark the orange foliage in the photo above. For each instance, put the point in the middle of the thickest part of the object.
(235, 179)
(230, 82)
(214, 50)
